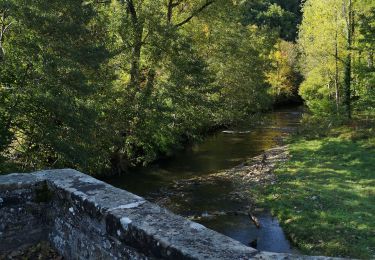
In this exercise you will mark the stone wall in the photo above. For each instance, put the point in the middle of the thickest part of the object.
(22, 214)
(84, 218)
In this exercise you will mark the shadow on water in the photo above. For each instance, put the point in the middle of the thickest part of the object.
(220, 151)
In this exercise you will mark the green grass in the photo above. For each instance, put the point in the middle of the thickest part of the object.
(325, 196)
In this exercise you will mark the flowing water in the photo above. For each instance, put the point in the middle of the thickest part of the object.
(207, 202)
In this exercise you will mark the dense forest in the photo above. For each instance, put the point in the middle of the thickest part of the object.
(98, 85)
(101, 86)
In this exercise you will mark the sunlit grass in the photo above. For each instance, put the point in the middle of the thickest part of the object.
(325, 197)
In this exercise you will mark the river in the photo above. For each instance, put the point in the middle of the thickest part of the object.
(208, 203)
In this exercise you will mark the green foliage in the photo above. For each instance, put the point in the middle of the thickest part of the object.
(284, 78)
(281, 16)
(239, 58)
(336, 44)
(48, 79)
(104, 86)
(209, 71)
(365, 68)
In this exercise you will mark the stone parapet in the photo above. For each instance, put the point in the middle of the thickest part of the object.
(84, 218)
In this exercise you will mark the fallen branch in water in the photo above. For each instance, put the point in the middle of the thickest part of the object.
(255, 220)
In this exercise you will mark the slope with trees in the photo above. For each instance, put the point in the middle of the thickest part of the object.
(106, 85)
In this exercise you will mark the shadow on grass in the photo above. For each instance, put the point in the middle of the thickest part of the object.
(325, 197)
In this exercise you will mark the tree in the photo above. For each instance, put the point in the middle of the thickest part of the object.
(104, 85)
(323, 47)
(334, 52)
(349, 13)
(284, 78)
(181, 80)
(238, 56)
(49, 74)
(281, 16)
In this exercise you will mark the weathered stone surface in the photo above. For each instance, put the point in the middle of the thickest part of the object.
(85, 218)
(16, 181)
(22, 219)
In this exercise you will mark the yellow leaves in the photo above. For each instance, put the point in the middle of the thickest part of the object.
(253, 28)
(282, 77)
(206, 30)
(278, 56)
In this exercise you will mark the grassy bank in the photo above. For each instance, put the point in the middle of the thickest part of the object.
(325, 195)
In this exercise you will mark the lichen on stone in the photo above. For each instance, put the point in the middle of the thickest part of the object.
(125, 222)
(130, 205)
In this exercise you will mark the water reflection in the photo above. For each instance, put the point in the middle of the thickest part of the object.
(218, 152)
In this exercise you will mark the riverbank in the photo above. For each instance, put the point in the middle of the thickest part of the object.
(324, 196)
(200, 183)
(226, 201)
(254, 173)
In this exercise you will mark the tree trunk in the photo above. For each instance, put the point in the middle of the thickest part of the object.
(337, 95)
(136, 58)
(347, 82)
(137, 24)
(348, 63)
(3, 28)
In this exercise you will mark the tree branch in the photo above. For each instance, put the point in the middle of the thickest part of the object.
(7, 27)
(132, 11)
(195, 13)
(169, 13)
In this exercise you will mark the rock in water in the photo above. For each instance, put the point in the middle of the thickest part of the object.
(254, 243)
